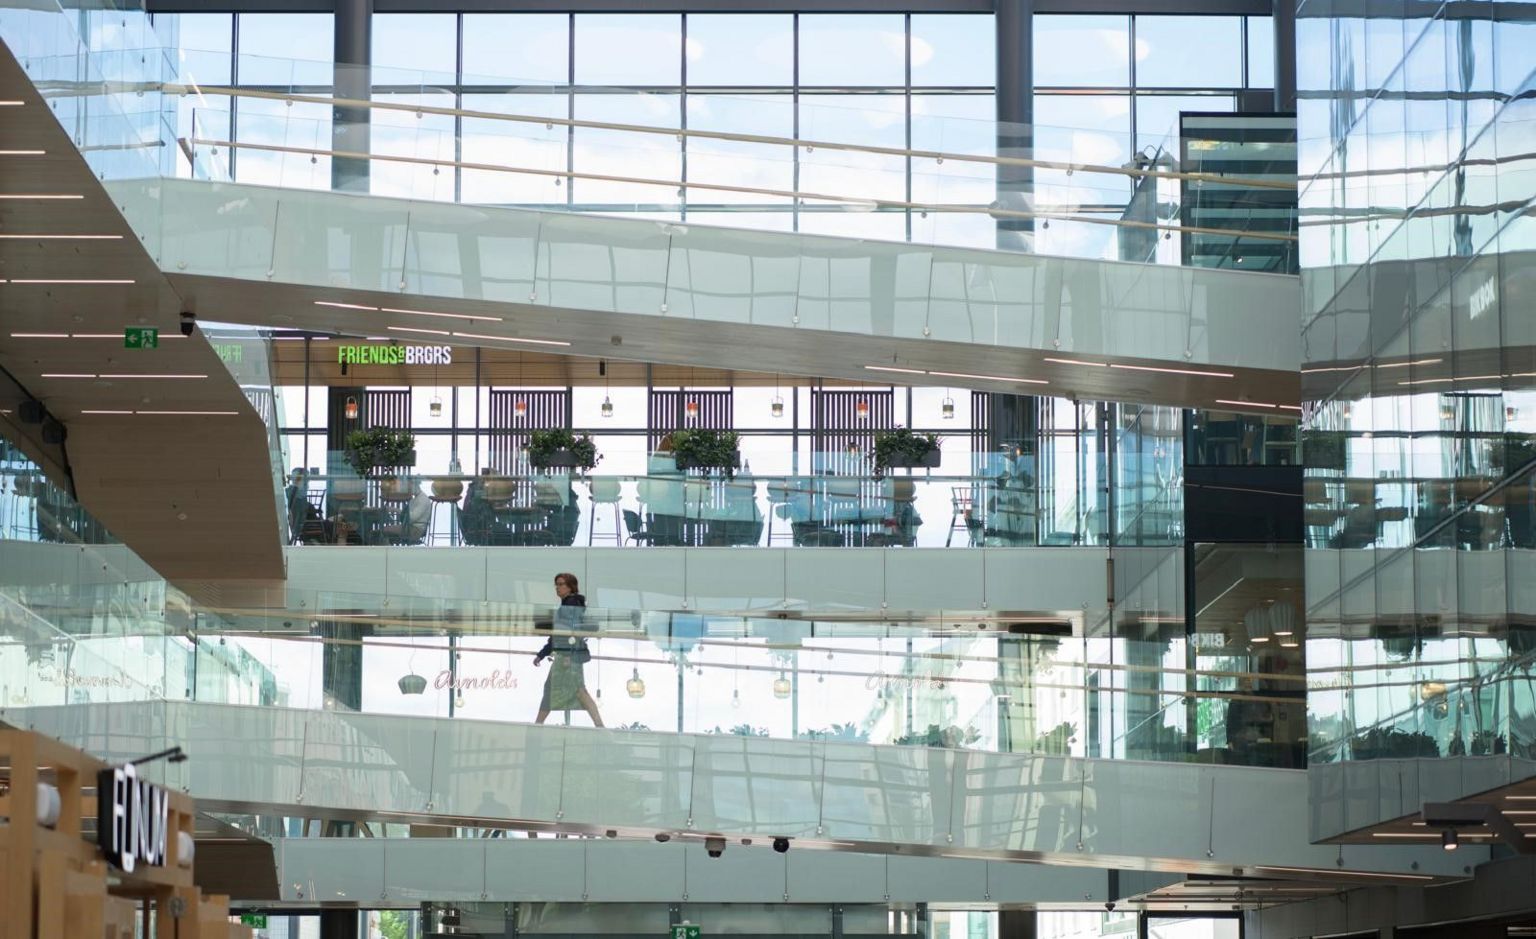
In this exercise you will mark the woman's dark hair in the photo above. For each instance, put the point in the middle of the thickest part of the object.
(570, 581)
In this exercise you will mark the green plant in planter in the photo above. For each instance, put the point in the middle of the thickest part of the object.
(1323, 449)
(903, 448)
(377, 447)
(560, 447)
(707, 450)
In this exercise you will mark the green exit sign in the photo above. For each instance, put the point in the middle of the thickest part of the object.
(685, 931)
(257, 920)
(141, 337)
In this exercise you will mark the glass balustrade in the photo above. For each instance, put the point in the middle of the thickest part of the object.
(987, 500)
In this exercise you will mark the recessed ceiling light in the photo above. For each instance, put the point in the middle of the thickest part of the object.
(1248, 404)
(536, 342)
(1171, 371)
(67, 375)
(106, 412)
(892, 368)
(40, 196)
(23, 152)
(192, 413)
(346, 306)
(412, 329)
(39, 335)
(11, 104)
(451, 316)
(1077, 362)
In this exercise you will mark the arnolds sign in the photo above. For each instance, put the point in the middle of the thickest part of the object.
(132, 818)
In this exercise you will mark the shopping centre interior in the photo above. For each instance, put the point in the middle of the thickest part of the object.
(970, 469)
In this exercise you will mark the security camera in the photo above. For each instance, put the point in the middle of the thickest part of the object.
(781, 845)
(663, 837)
(1109, 906)
(188, 323)
(714, 845)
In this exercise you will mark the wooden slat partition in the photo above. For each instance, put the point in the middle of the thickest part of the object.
(54, 883)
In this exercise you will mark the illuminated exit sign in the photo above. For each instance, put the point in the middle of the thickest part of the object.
(394, 355)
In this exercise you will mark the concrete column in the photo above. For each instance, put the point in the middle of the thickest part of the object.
(353, 78)
(1015, 117)
(1285, 55)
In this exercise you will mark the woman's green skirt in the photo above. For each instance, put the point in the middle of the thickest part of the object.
(566, 680)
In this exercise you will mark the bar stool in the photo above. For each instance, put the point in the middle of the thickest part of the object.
(444, 492)
(962, 506)
(606, 490)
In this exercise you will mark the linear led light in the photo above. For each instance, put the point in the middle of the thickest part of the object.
(1246, 404)
(892, 368)
(1290, 407)
(39, 335)
(73, 280)
(1077, 362)
(11, 104)
(1172, 371)
(1407, 364)
(10, 237)
(537, 342)
(1332, 873)
(346, 306)
(1002, 378)
(40, 196)
(1442, 381)
(116, 376)
(23, 152)
(451, 316)
(1332, 368)
(412, 329)
(106, 412)
(192, 413)
(78, 336)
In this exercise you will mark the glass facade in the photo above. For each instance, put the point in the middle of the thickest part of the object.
(901, 80)
(1416, 237)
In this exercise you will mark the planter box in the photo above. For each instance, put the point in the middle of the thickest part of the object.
(558, 459)
(410, 460)
(928, 460)
(685, 464)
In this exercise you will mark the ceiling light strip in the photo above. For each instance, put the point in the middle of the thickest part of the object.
(346, 306)
(1001, 378)
(1246, 404)
(451, 316)
(23, 152)
(536, 342)
(171, 413)
(1171, 371)
(40, 196)
(892, 368)
(81, 281)
(157, 376)
(1077, 362)
(38, 237)
(413, 329)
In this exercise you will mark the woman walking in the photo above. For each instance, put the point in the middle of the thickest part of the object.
(566, 689)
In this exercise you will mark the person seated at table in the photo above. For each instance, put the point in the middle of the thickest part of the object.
(305, 521)
(411, 525)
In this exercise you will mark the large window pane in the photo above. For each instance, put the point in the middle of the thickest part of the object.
(741, 49)
(1157, 116)
(622, 153)
(629, 49)
(516, 47)
(1166, 56)
(953, 49)
(414, 48)
(514, 144)
(852, 49)
(1261, 52)
(738, 163)
(1083, 51)
(286, 49)
(420, 138)
(204, 44)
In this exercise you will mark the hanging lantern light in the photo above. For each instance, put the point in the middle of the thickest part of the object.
(636, 685)
(777, 407)
(435, 408)
(948, 408)
(782, 686)
(607, 406)
(861, 410)
(351, 408)
(520, 407)
(1447, 413)
(691, 409)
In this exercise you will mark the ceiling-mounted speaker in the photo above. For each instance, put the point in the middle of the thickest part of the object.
(53, 432)
(31, 412)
